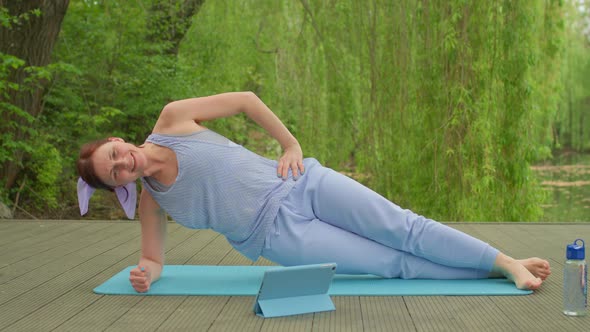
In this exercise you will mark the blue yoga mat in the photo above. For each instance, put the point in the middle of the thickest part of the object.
(245, 280)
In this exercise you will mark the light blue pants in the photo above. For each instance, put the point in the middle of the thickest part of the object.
(329, 217)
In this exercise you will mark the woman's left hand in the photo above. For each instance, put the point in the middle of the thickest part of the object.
(292, 158)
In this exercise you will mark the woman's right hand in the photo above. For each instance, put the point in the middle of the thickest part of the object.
(140, 278)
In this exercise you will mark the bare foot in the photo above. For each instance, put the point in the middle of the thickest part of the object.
(517, 272)
(537, 266)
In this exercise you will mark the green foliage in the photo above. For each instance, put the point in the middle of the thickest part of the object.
(9, 21)
(440, 106)
(9, 143)
(19, 123)
(7, 63)
(46, 165)
(571, 125)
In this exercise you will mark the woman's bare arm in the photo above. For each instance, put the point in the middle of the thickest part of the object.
(153, 233)
(181, 117)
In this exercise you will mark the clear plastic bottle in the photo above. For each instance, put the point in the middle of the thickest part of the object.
(575, 276)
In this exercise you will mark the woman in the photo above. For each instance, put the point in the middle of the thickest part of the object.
(292, 212)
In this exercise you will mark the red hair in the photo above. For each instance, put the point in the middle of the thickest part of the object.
(86, 168)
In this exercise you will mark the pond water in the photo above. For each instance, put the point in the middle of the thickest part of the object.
(567, 180)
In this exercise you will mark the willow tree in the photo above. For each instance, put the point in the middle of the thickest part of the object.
(440, 106)
(572, 123)
(458, 135)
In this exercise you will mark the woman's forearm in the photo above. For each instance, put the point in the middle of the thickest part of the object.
(154, 268)
(264, 117)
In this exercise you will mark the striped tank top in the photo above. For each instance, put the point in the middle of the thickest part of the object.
(222, 186)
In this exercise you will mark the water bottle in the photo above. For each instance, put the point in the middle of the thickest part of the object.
(575, 276)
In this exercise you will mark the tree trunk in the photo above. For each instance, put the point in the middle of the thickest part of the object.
(168, 21)
(31, 40)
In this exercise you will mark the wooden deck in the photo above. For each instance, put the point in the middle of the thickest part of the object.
(49, 268)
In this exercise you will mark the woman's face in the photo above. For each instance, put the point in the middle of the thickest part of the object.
(117, 163)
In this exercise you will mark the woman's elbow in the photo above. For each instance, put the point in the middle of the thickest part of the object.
(250, 100)
(168, 108)
(249, 95)
(169, 113)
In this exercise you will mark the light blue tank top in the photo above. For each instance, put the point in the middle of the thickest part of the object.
(222, 186)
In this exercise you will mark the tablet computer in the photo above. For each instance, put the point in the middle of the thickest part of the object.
(295, 290)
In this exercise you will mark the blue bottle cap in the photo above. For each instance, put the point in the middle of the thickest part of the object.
(575, 251)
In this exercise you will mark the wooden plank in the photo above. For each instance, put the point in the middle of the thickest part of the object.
(178, 241)
(237, 315)
(547, 241)
(58, 294)
(217, 252)
(188, 244)
(233, 257)
(457, 313)
(530, 314)
(196, 313)
(288, 324)
(199, 313)
(264, 262)
(80, 304)
(25, 261)
(11, 228)
(147, 314)
(196, 241)
(99, 313)
(551, 240)
(31, 291)
(6, 224)
(385, 313)
(212, 254)
(245, 318)
(347, 317)
(33, 279)
(542, 310)
(520, 241)
(31, 233)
